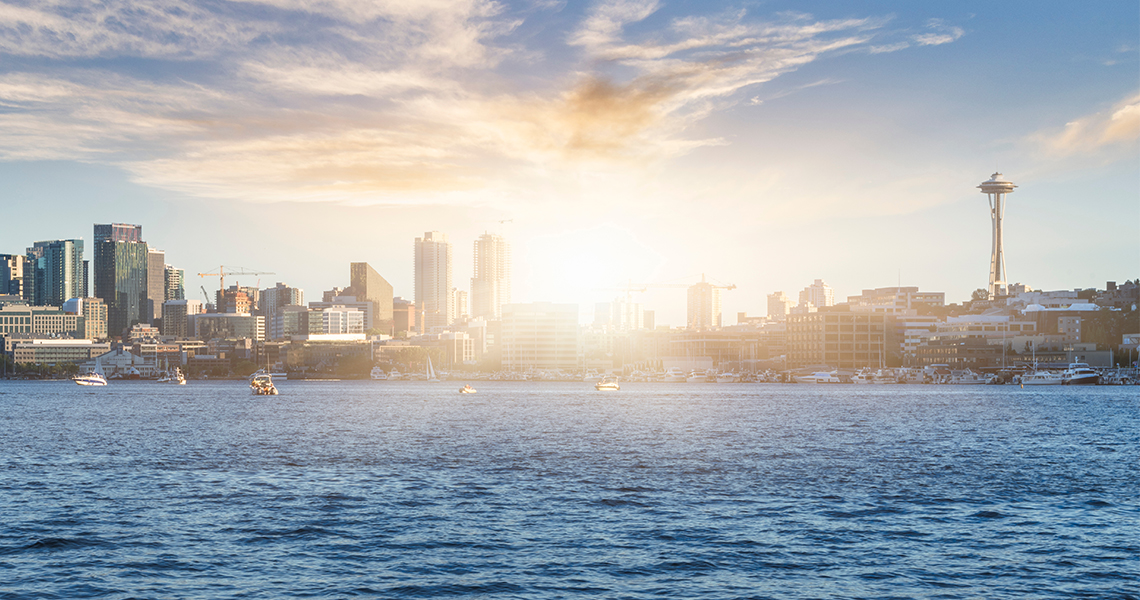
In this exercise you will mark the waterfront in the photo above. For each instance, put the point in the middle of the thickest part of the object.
(553, 490)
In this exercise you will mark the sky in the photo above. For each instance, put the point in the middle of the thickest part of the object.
(762, 144)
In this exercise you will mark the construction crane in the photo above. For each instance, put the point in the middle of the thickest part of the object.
(205, 294)
(631, 287)
(222, 272)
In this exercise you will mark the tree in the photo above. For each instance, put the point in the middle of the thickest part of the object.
(980, 294)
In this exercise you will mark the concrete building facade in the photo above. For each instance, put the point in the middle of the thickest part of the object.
(433, 280)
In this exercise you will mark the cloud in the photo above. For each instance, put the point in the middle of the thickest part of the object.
(1114, 129)
(383, 101)
(941, 34)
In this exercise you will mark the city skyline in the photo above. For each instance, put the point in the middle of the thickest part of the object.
(643, 141)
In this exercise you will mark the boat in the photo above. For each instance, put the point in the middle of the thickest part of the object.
(261, 384)
(431, 376)
(967, 377)
(1042, 378)
(674, 375)
(591, 375)
(1080, 374)
(93, 377)
(607, 384)
(818, 377)
(378, 374)
(728, 378)
(173, 376)
(394, 375)
(467, 389)
(698, 377)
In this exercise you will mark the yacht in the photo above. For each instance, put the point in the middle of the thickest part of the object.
(728, 378)
(819, 377)
(1042, 378)
(674, 375)
(93, 378)
(467, 389)
(607, 384)
(1080, 374)
(173, 376)
(698, 377)
(261, 384)
(378, 374)
(967, 377)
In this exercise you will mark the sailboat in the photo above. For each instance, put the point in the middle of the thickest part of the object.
(431, 376)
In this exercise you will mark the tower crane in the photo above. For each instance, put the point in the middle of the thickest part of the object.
(222, 272)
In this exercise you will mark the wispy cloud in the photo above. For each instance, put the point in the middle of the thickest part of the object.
(1114, 129)
(941, 33)
(385, 101)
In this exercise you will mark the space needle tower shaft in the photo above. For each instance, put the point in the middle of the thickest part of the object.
(996, 188)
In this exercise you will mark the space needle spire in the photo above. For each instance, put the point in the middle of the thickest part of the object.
(996, 188)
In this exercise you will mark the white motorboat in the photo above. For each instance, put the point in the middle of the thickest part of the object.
(173, 376)
(728, 378)
(94, 377)
(674, 375)
(378, 374)
(467, 389)
(819, 377)
(967, 377)
(1080, 374)
(261, 384)
(1042, 378)
(607, 384)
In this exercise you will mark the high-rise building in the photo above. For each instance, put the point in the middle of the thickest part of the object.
(120, 275)
(235, 300)
(94, 313)
(540, 335)
(403, 315)
(433, 280)
(491, 285)
(174, 282)
(779, 306)
(818, 294)
(155, 283)
(59, 273)
(459, 302)
(174, 317)
(368, 286)
(12, 269)
(704, 305)
(341, 320)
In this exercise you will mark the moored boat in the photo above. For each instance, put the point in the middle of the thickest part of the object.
(607, 384)
(1080, 374)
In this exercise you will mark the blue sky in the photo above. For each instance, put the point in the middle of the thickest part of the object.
(764, 143)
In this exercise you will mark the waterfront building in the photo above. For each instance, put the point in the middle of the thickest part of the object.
(342, 319)
(21, 318)
(895, 299)
(540, 335)
(491, 284)
(836, 337)
(366, 285)
(94, 313)
(403, 315)
(174, 283)
(210, 326)
(779, 306)
(120, 275)
(175, 315)
(60, 271)
(818, 294)
(433, 281)
(271, 304)
(12, 269)
(704, 305)
(365, 307)
(55, 351)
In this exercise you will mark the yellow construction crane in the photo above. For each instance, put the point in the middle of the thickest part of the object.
(222, 272)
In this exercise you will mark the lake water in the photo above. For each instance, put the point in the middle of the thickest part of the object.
(553, 490)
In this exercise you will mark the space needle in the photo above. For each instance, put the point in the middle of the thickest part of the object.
(996, 188)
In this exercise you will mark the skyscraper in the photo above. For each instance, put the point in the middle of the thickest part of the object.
(817, 294)
(12, 274)
(155, 284)
(59, 273)
(491, 285)
(120, 275)
(704, 305)
(779, 306)
(174, 282)
(433, 280)
(368, 286)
